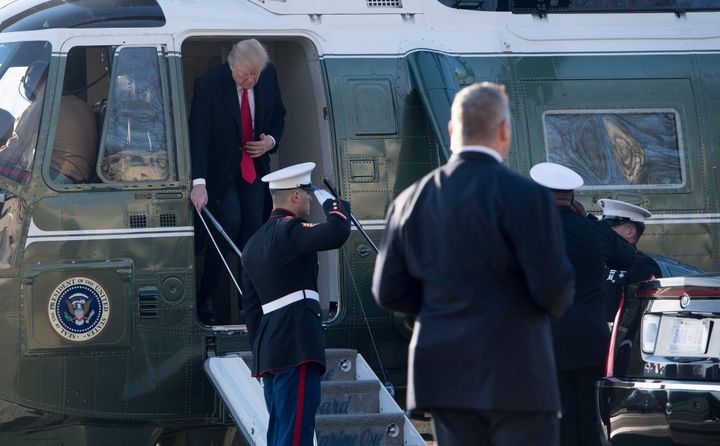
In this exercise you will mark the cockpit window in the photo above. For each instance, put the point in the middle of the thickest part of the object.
(23, 73)
(74, 139)
(30, 15)
(618, 149)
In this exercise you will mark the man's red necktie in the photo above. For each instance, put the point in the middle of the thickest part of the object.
(247, 165)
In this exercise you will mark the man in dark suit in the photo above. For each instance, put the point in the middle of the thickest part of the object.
(459, 253)
(581, 336)
(236, 122)
(628, 220)
(283, 316)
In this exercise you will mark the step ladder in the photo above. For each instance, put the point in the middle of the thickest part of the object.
(355, 408)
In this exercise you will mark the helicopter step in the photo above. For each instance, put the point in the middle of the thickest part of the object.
(349, 397)
(355, 408)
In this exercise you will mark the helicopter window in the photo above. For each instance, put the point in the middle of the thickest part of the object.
(29, 15)
(618, 148)
(560, 6)
(84, 97)
(134, 143)
(23, 73)
(12, 212)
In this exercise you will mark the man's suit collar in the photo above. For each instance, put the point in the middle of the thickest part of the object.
(259, 97)
(481, 149)
(230, 95)
(473, 156)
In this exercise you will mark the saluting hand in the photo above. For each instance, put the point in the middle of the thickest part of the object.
(199, 196)
(259, 147)
(322, 195)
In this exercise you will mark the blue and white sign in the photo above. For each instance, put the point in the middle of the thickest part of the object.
(79, 309)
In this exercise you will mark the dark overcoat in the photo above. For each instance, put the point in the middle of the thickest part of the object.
(581, 336)
(215, 128)
(476, 251)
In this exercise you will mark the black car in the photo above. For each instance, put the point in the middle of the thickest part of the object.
(662, 384)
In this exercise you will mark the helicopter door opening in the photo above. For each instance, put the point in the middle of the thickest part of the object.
(306, 137)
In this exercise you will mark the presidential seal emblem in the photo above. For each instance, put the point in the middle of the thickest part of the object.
(79, 309)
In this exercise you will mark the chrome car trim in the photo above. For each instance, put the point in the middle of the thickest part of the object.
(693, 306)
(665, 385)
(708, 280)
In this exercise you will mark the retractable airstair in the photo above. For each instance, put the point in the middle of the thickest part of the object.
(355, 409)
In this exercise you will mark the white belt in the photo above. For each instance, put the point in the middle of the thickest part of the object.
(290, 299)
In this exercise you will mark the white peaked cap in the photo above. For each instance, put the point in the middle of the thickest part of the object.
(291, 177)
(617, 208)
(555, 176)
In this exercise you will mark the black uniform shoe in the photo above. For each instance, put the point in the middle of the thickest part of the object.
(206, 313)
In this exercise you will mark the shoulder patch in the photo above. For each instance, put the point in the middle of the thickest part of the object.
(308, 225)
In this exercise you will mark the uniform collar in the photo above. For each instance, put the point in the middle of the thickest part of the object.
(281, 213)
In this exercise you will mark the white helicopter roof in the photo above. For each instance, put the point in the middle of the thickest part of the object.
(377, 27)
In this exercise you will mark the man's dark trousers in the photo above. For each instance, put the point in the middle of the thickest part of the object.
(292, 397)
(240, 215)
(456, 427)
(581, 423)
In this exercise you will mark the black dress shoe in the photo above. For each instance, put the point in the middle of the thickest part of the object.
(206, 319)
(206, 312)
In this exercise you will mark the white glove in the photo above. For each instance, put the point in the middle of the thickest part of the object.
(322, 196)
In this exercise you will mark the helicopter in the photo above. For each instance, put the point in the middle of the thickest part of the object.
(99, 334)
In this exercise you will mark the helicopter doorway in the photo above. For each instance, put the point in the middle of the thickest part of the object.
(306, 137)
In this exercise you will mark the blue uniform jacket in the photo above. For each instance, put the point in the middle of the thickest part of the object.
(279, 259)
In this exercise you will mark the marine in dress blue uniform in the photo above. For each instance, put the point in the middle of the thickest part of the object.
(628, 220)
(281, 301)
(581, 335)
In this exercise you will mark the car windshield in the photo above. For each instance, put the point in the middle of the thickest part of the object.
(23, 73)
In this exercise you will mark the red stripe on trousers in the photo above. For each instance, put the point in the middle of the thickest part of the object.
(300, 403)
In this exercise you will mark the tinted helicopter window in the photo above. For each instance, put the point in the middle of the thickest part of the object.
(545, 6)
(559, 6)
(135, 139)
(23, 73)
(617, 148)
(29, 15)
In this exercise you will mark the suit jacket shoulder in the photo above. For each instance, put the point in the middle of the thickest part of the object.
(216, 76)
